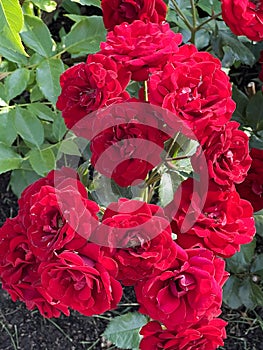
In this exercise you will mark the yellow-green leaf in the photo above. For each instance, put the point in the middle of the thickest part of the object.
(11, 19)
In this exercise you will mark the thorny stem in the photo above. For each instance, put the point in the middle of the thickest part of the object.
(193, 31)
(181, 14)
(208, 20)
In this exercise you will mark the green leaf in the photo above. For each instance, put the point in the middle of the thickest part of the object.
(241, 261)
(42, 161)
(11, 19)
(231, 292)
(71, 7)
(85, 36)
(42, 111)
(69, 147)
(123, 331)
(36, 35)
(36, 94)
(88, 2)
(255, 111)
(3, 98)
(29, 127)
(231, 49)
(259, 222)
(257, 266)
(168, 186)
(58, 127)
(9, 159)
(16, 83)
(7, 123)
(47, 76)
(45, 5)
(20, 179)
(104, 190)
(75, 18)
(256, 141)
(241, 104)
(250, 294)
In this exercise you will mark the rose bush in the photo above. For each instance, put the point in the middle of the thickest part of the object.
(45, 258)
(118, 11)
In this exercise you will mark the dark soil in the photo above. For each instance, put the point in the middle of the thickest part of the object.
(22, 329)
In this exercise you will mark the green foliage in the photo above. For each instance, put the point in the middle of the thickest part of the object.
(88, 2)
(45, 5)
(36, 35)
(244, 285)
(11, 19)
(47, 76)
(123, 331)
(85, 36)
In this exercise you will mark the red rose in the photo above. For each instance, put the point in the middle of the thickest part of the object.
(193, 87)
(244, 17)
(18, 271)
(180, 296)
(227, 154)
(53, 216)
(82, 280)
(117, 11)
(224, 223)
(205, 335)
(252, 188)
(140, 46)
(86, 87)
(130, 147)
(140, 237)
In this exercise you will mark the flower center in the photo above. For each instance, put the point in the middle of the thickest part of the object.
(182, 284)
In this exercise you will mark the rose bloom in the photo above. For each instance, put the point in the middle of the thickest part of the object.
(140, 46)
(190, 290)
(86, 87)
(18, 271)
(83, 280)
(53, 216)
(117, 11)
(194, 87)
(226, 151)
(127, 144)
(222, 224)
(251, 188)
(140, 237)
(244, 17)
(205, 335)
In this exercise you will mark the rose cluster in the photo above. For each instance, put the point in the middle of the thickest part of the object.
(60, 253)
